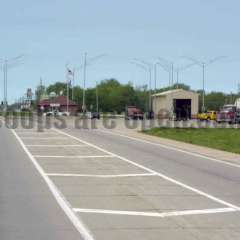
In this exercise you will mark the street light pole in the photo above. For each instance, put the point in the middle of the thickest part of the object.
(172, 68)
(169, 67)
(97, 101)
(150, 90)
(6, 64)
(181, 69)
(4, 86)
(177, 72)
(84, 81)
(204, 65)
(148, 69)
(155, 77)
(86, 63)
(155, 82)
(73, 83)
(203, 93)
(67, 95)
(5, 83)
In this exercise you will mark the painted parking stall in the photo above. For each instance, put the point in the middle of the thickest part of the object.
(105, 194)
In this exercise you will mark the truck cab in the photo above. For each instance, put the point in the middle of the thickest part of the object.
(229, 113)
(134, 113)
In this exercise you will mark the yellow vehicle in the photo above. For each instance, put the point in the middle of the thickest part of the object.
(206, 116)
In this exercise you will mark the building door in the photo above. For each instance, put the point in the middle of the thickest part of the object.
(182, 109)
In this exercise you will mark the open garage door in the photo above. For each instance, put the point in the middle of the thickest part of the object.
(182, 108)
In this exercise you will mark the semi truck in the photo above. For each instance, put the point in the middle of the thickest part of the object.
(229, 114)
(132, 112)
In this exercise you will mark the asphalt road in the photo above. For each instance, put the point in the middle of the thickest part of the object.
(96, 184)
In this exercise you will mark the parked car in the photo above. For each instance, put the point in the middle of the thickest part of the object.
(229, 113)
(206, 116)
(62, 113)
(93, 115)
(133, 112)
(150, 115)
(51, 113)
(56, 113)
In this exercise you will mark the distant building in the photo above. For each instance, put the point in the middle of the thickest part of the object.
(26, 102)
(237, 103)
(177, 103)
(58, 103)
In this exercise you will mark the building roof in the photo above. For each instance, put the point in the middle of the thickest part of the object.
(62, 100)
(173, 91)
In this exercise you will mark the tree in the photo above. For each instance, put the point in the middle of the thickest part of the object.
(114, 96)
(175, 86)
(40, 91)
(214, 100)
(58, 88)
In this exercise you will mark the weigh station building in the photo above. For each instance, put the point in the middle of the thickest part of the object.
(178, 104)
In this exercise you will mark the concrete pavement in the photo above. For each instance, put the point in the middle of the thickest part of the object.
(121, 188)
(27, 208)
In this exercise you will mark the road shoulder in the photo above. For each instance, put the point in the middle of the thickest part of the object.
(186, 147)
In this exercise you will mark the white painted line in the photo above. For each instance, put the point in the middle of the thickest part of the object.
(76, 220)
(102, 156)
(155, 214)
(37, 133)
(54, 146)
(172, 148)
(43, 138)
(100, 176)
(209, 196)
(34, 132)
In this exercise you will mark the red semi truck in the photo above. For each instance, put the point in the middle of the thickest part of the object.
(132, 112)
(229, 114)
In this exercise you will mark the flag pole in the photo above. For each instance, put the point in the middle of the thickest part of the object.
(67, 79)
(73, 83)
(67, 96)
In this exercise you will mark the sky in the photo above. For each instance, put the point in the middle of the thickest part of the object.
(53, 33)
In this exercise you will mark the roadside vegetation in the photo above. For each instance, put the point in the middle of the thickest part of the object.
(218, 138)
(114, 96)
(16, 114)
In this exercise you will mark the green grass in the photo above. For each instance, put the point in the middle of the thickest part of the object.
(17, 114)
(222, 139)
